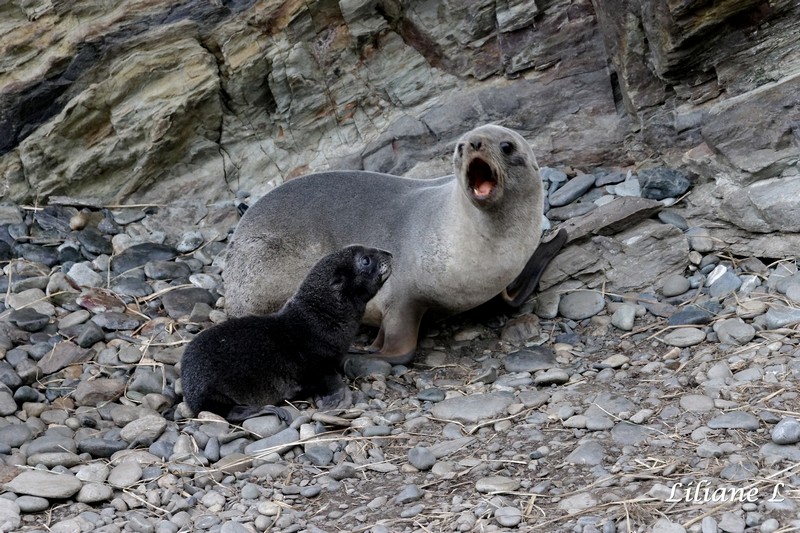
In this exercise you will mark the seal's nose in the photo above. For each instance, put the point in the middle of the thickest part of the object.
(476, 144)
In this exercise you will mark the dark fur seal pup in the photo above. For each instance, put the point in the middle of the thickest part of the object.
(235, 368)
(458, 241)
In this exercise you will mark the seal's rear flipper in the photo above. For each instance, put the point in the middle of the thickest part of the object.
(240, 413)
(521, 288)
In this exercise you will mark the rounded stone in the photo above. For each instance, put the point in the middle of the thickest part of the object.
(31, 504)
(44, 484)
(624, 317)
(684, 337)
(431, 395)
(410, 493)
(588, 453)
(508, 516)
(530, 359)
(189, 241)
(675, 285)
(472, 408)
(494, 484)
(734, 331)
(9, 515)
(787, 431)
(554, 376)
(581, 304)
(94, 493)
(125, 475)
(421, 458)
(734, 420)
(696, 403)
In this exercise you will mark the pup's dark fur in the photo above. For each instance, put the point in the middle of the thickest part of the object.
(235, 368)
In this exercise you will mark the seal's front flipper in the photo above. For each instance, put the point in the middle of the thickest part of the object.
(240, 413)
(521, 288)
(336, 394)
(397, 339)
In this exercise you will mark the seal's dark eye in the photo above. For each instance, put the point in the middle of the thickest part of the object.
(507, 147)
(460, 149)
(365, 260)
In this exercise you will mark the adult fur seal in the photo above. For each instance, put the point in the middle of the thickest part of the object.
(457, 241)
(235, 368)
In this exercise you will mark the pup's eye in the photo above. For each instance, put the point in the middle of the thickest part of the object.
(365, 260)
(460, 149)
(507, 147)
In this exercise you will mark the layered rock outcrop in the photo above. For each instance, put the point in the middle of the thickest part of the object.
(154, 101)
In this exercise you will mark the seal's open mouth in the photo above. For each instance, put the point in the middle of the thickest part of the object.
(385, 271)
(480, 179)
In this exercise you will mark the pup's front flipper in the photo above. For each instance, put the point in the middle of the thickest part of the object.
(240, 413)
(336, 394)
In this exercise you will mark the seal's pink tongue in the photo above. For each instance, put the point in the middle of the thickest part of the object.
(484, 188)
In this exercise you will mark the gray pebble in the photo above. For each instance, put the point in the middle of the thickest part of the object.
(696, 403)
(659, 183)
(30, 504)
(683, 337)
(668, 216)
(581, 304)
(431, 395)
(572, 190)
(342, 471)
(629, 187)
(700, 240)
(624, 317)
(319, 455)
(554, 376)
(278, 443)
(125, 475)
(94, 493)
(412, 511)
(787, 431)
(421, 458)
(311, 491)
(727, 284)
(493, 484)
(530, 359)
(358, 366)
(732, 523)
(251, 491)
(84, 276)
(508, 516)
(770, 525)
(599, 423)
(15, 435)
(189, 241)
(734, 331)
(779, 316)
(734, 420)
(472, 408)
(573, 210)
(664, 525)
(690, 315)
(264, 426)
(409, 494)
(376, 431)
(604, 177)
(709, 525)
(547, 304)
(588, 453)
(675, 285)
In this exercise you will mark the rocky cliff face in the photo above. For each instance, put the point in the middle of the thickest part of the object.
(154, 100)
